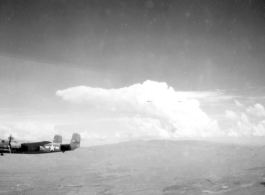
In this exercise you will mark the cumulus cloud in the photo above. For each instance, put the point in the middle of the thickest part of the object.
(259, 129)
(161, 110)
(257, 110)
(230, 115)
(244, 127)
(255, 129)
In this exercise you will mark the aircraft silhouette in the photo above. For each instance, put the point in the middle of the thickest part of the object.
(14, 147)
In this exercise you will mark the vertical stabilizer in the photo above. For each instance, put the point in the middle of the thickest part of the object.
(57, 139)
(75, 141)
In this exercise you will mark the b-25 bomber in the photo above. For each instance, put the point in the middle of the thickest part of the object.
(14, 147)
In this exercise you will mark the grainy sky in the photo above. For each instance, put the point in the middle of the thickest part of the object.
(212, 51)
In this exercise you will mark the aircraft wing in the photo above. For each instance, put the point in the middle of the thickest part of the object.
(36, 143)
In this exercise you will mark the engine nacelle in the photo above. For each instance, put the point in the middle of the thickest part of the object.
(4, 150)
(15, 145)
(4, 143)
(65, 147)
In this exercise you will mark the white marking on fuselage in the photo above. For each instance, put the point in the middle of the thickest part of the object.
(51, 147)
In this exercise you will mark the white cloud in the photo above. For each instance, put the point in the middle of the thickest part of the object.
(257, 110)
(230, 115)
(244, 127)
(244, 118)
(259, 129)
(162, 111)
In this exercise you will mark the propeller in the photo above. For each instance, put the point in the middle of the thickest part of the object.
(10, 138)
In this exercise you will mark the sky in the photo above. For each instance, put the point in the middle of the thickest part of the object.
(132, 69)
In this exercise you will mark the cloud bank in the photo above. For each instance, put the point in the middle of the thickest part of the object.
(248, 123)
(257, 110)
(155, 109)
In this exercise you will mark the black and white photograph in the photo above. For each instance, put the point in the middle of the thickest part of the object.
(132, 97)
